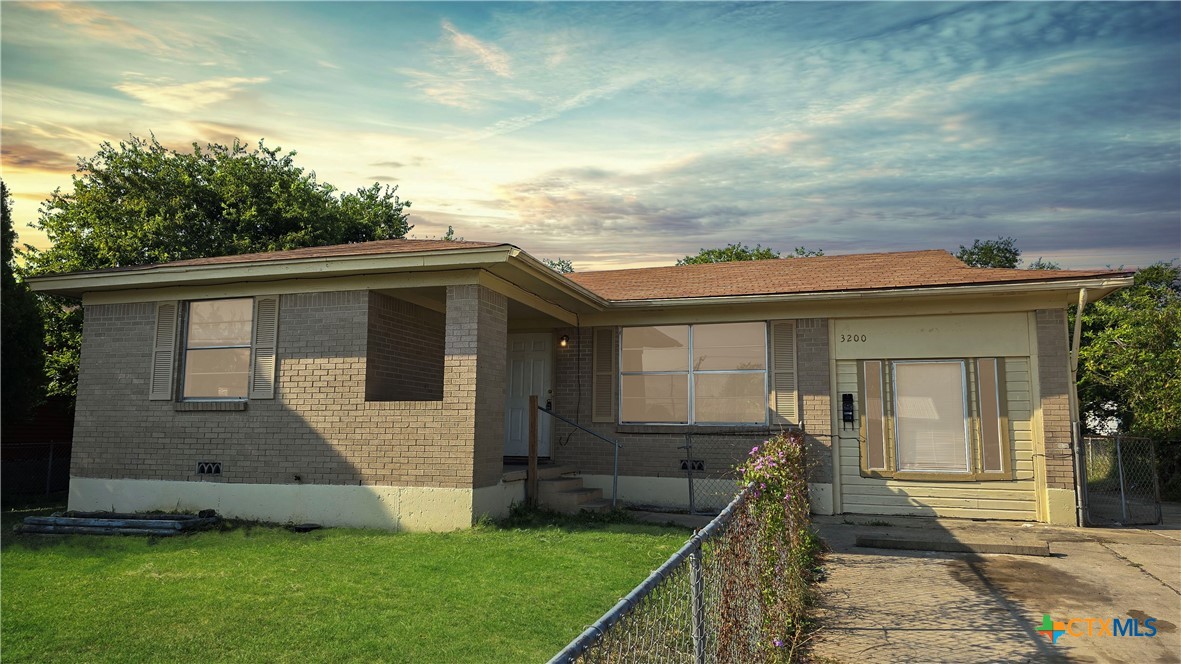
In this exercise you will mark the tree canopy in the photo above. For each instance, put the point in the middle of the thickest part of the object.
(21, 376)
(742, 252)
(1001, 252)
(559, 264)
(1130, 355)
(139, 202)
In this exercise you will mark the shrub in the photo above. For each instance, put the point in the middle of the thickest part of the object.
(784, 544)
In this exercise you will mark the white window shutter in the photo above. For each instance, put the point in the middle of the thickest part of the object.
(266, 337)
(163, 352)
(604, 380)
(785, 396)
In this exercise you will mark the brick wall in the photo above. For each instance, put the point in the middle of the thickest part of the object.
(477, 340)
(652, 451)
(404, 351)
(319, 426)
(1054, 383)
(815, 387)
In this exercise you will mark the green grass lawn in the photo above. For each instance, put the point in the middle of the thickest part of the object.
(490, 594)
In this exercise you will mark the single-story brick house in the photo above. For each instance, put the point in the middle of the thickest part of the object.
(385, 383)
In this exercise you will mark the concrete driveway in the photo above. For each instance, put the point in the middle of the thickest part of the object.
(887, 605)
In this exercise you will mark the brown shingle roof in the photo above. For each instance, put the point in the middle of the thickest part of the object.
(355, 249)
(822, 274)
(372, 248)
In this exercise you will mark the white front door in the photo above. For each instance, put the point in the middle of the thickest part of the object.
(529, 361)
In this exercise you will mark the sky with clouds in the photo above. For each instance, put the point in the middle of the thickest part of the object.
(629, 134)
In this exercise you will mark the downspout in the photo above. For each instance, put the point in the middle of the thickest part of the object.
(1076, 429)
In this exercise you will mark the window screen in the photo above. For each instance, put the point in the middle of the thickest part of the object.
(217, 349)
(930, 416)
(682, 374)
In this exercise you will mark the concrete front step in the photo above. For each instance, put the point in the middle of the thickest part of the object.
(554, 472)
(548, 488)
(573, 501)
(595, 506)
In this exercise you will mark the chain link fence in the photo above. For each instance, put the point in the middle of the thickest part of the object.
(1120, 481)
(33, 469)
(701, 605)
(709, 467)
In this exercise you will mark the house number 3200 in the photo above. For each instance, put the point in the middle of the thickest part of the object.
(853, 338)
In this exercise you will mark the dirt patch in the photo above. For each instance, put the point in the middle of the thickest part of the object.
(1025, 580)
(1161, 625)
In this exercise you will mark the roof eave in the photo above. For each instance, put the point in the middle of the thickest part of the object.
(523, 261)
(160, 276)
(1097, 288)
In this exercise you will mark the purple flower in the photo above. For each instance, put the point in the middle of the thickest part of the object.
(778, 643)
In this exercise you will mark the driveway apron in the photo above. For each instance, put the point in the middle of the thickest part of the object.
(887, 605)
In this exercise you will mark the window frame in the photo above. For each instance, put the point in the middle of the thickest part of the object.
(690, 373)
(973, 422)
(182, 364)
(965, 390)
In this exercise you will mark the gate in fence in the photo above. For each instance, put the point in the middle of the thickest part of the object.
(1120, 481)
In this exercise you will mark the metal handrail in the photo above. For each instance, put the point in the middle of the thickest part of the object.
(596, 434)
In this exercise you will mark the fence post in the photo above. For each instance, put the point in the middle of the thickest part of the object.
(49, 472)
(1123, 494)
(531, 479)
(1154, 471)
(698, 603)
(688, 447)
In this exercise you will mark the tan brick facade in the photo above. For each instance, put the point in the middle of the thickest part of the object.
(1054, 383)
(654, 451)
(319, 428)
(815, 385)
(404, 353)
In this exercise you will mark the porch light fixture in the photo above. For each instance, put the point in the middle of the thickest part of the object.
(564, 341)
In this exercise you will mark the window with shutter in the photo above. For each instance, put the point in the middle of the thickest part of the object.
(875, 452)
(603, 382)
(266, 334)
(163, 352)
(785, 396)
(228, 349)
(939, 420)
(993, 417)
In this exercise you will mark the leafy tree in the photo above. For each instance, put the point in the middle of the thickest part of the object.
(21, 376)
(801, 252)
(559, 265)
(1040, 264)
(742, 252)
(450, 236)
(1001, 252)
(1130, 355)
(139, 202)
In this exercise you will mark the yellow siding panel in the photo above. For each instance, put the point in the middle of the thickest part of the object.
(991, 500)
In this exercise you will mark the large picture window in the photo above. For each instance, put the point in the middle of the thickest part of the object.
(217, 349)
(694, 374)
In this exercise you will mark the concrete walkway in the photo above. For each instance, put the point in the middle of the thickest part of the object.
(887, 605)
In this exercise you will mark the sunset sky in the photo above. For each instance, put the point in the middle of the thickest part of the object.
(620, 135)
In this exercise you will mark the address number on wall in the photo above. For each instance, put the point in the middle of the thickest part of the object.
(854, 338)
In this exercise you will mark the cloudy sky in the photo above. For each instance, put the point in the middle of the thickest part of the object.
(622, 135)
